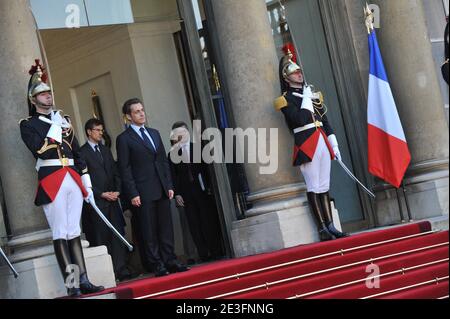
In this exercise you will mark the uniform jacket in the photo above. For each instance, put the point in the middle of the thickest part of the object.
(296, 117)
(33, 132)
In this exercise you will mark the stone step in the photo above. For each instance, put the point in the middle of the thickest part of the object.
(105, 296)
(439, 223)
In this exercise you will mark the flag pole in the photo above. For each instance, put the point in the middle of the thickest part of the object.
(408, 210)
(370, 28)
(400, 207)
(291, 36)
(43, 53)
(369, 18)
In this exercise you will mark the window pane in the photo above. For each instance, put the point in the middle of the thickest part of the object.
(51, 14)
(101, 12)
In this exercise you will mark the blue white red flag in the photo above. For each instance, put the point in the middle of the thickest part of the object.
(388, 153)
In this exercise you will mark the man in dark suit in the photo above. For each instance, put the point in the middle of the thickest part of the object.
(147, 184)
(106, 188)
(192, 191)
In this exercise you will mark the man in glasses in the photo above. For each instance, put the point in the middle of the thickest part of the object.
(106, 187)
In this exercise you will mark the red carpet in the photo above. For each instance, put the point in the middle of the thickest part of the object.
(411, 261)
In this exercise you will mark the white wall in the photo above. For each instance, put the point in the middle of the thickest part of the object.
(78, 59)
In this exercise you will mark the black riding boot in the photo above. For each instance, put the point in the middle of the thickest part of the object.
(62, 254)
(76, 253)
(326, 208)
(316, 208)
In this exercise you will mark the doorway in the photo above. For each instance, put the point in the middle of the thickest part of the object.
(140, 59)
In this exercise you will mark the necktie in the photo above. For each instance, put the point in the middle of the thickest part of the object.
(98, 153)
(146, 139)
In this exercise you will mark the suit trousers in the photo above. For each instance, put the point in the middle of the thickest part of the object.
(156, 236)
(203, 224)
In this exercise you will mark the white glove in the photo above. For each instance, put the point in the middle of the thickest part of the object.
(307, 99)
(86, 180)
(59, 122)
(55, 132)
(334, 144)
(57, 118)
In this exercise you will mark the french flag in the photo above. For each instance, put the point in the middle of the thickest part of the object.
(388, 152)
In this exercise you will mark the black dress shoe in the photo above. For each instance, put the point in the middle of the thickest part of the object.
(176, 266)
(73, 292)
(325, 234)
(87, 287)
(217, 257)
(336, 233)
(191, 261)
(206, 259)
(160, 270)
(123, 274)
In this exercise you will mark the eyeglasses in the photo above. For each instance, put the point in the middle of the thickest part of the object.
(98, 130)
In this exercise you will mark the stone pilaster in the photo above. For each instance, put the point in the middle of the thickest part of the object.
(18, 49)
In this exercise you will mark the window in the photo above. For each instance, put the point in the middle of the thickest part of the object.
(435, 13)
(56, 14)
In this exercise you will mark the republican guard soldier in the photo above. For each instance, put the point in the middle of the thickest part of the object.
(315, 142)
(63, 180)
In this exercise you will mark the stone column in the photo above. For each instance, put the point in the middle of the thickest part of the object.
(406, 49)
(18, 49)
(251, 71)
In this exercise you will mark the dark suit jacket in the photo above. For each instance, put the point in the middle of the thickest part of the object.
(144, 171)
(185, 175)
(105, 178)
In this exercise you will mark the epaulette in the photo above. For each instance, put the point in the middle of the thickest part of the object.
(280, 102)
(25, 119)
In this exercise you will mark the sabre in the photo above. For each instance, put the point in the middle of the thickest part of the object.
(349, 173)
(106, 221)
(16, 274)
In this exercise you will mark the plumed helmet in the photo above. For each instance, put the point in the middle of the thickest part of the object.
(37, 83)
(288, 65)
